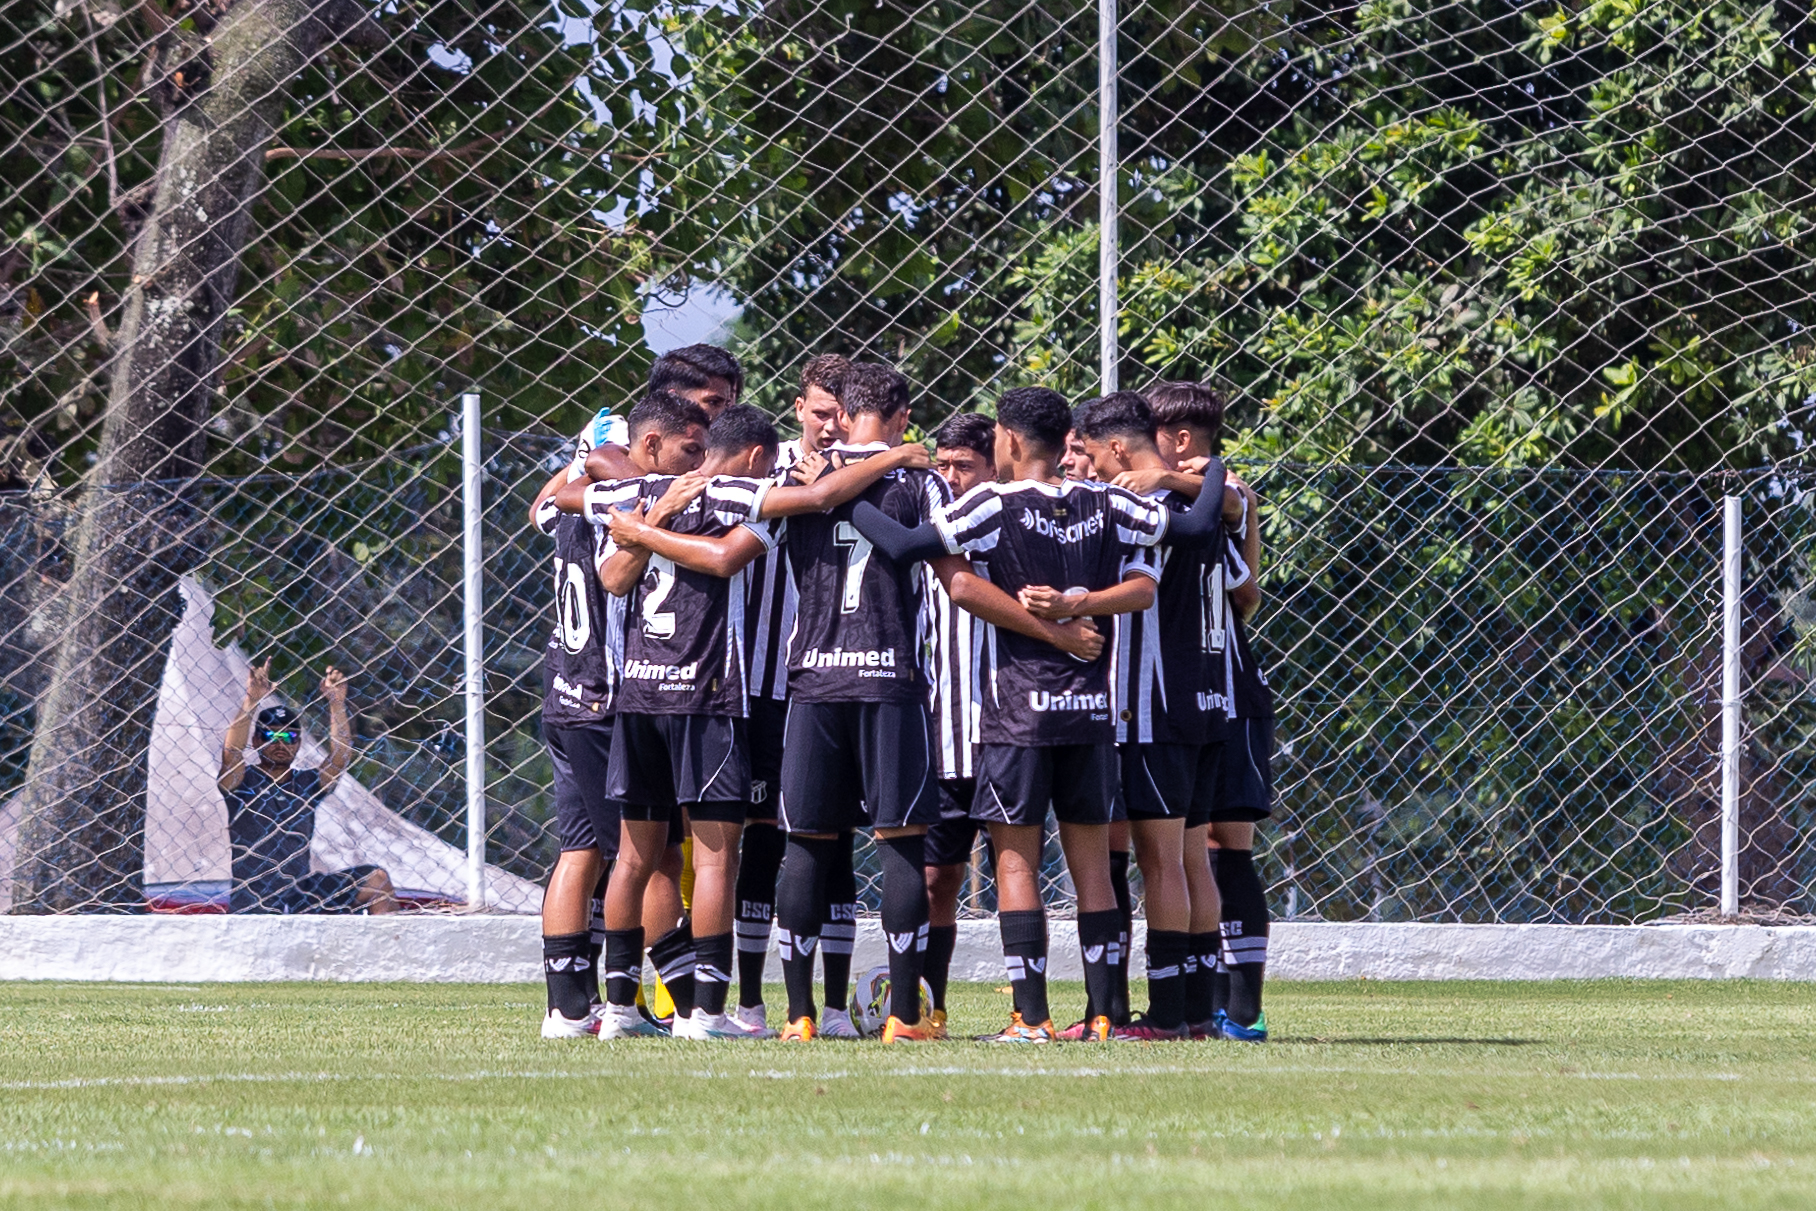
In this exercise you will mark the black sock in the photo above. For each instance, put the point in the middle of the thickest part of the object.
(758, 864)
(564, 967)
(1097, 933)
(595, 944)
(1200, 977)
(839, 933)
(623, 965)
(800, 910)
(1025, 955)
(1244, 932)
(905, 921)
(712, 971)
(1167, 951)
(1220, 983)
(1118, 1009)
(674, 957)
(942, 940)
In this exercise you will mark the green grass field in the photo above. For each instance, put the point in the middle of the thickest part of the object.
(1374, 1095)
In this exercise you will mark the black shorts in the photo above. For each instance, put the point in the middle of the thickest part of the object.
(585, 816)
(1017, 785)
(952, 837)
(852, 765)
(768, 719)
(330, 891)
(1245, 783)
(670, 761)
(1170, 781)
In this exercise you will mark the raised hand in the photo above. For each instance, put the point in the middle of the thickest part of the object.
(334, 687)
(258, 683)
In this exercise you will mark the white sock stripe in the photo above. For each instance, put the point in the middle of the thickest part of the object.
(707, 974)
(622, 975)
(1013, 964)
(837, 946)
(839, 929)
(1246, 950)
(1163, 973)
(680, 965)
(751, 929)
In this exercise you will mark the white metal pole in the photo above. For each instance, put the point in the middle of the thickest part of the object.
(1730, 706)
(1109, 212)
(473, 558)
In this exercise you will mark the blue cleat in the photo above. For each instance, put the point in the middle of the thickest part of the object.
(1242, 1034)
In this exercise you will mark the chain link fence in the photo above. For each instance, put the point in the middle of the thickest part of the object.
(1505, 296)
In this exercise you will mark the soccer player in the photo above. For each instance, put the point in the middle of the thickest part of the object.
(964, 454)
(1047, 738)
(1189, 420)
(682, 705)
(1170, 716)
(769, 617)
(701, 374)
(579, 679)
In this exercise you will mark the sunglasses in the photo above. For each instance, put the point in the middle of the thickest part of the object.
(283, 737)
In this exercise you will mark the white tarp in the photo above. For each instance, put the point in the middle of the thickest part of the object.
(186, 818)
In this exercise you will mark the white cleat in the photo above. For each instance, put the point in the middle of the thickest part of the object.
(704, 1027)
(836, 1024)
(624, 1022)
(752, 1020)
(555, 1026)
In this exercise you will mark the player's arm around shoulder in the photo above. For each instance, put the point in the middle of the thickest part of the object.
(835, 487)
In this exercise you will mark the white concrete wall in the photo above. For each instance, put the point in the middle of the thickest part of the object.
(499, 949)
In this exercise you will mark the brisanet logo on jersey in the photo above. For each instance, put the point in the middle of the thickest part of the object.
(1042, 700)
(1046, 527)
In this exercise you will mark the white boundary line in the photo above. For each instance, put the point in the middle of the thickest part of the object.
(503, 949)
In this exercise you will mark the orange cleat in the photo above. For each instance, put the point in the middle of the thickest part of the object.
(897, 1031)
(938, 1018)
(801, 1030)
(1018, 1031)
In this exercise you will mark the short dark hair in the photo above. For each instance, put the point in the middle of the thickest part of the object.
(1121, 414)
(968, 431)
(824, 370)
(1038, 414)
(1195, 405)
(740, 427)
(691, 366)
(667, 413)
(1081, 409)
(874, 387)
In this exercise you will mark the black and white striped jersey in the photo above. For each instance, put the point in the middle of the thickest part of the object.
(861, 623)
(684, 630)
(1244, 680)
(1079, 534)
(1169, 665)
(769, 609)
(580, 664)
(957, 645)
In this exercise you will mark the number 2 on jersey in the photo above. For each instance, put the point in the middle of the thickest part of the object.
(657, 622)
(857, 558)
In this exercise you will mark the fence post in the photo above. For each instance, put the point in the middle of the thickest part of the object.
(1730, 706)
(473, 600)
(1108, 226)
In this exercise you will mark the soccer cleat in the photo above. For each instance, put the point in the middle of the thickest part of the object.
(624, 1022)
(924, 1031)
(801, 1030)
(938, 1018)
(836, 1024)
(557, 1026)
(1201, 1031)
(1073, 1033)
(1243, 1034)
(753, 1021)
(1142, 1031)
(704, 1027)
(1018, 1031)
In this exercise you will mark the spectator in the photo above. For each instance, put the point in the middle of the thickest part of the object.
(271, 810)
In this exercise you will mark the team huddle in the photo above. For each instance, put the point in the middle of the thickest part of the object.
(765, 646)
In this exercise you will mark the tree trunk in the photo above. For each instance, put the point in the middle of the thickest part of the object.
(81, 837)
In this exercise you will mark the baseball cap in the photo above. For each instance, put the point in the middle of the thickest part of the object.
(278, 719)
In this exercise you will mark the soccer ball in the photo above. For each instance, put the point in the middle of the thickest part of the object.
(872, 1007)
